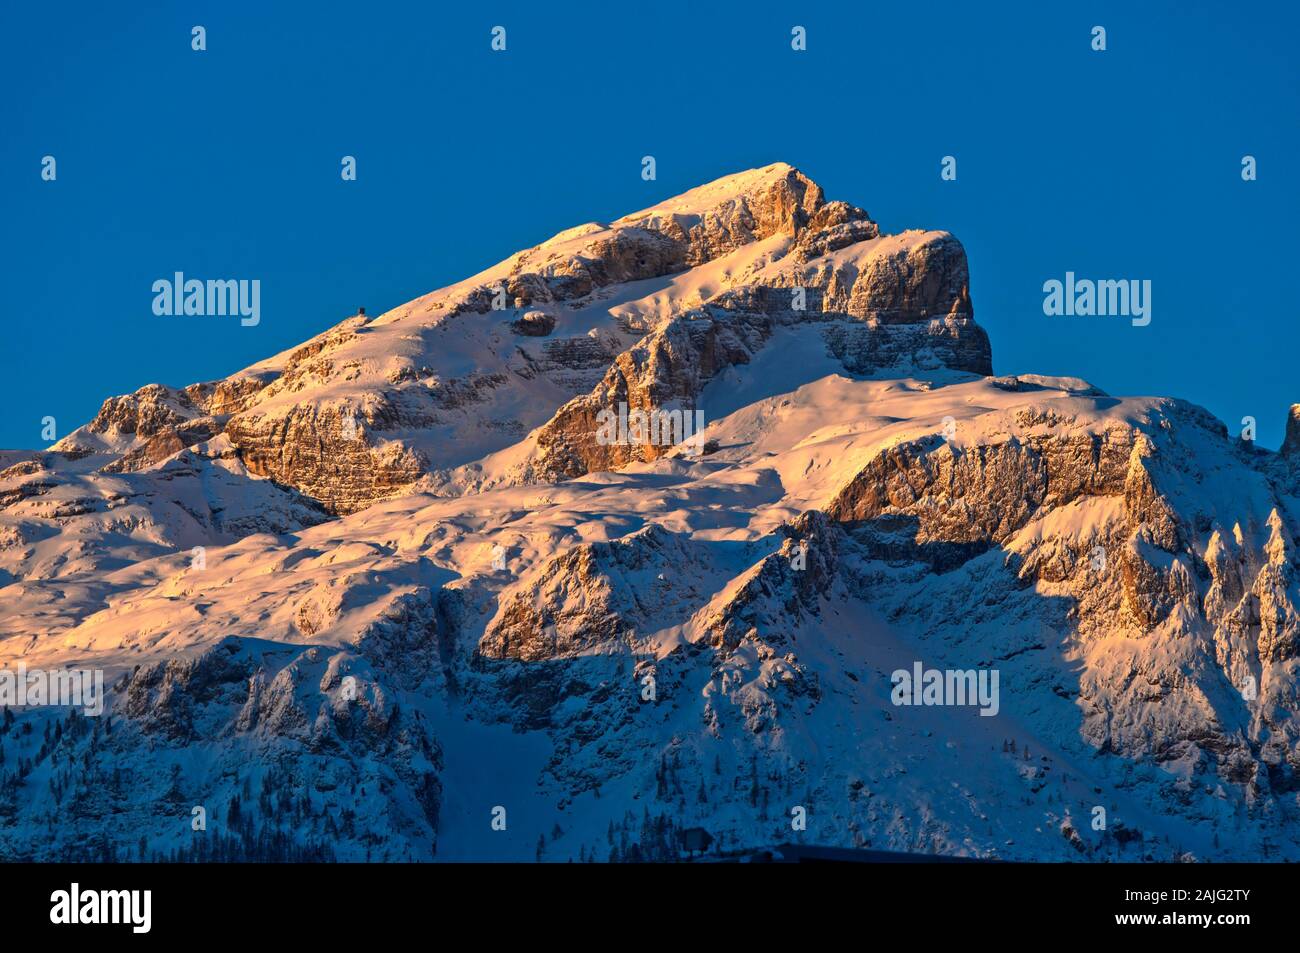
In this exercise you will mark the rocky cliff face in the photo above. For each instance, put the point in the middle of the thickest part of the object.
(294, 742)
(1291, 444)
(363, 599)
(882, 308)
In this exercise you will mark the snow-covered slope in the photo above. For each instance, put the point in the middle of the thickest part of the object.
(435, 615)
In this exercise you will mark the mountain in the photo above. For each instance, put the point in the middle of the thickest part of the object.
(456, 582)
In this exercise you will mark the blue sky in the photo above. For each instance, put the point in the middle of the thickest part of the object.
(225, 163)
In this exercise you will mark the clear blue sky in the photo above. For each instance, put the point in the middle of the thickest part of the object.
(1122, 164)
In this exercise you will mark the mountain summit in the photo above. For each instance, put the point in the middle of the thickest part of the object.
(471, 368)
(465, 556)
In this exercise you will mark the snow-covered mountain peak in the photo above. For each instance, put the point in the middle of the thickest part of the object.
(426, 564)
